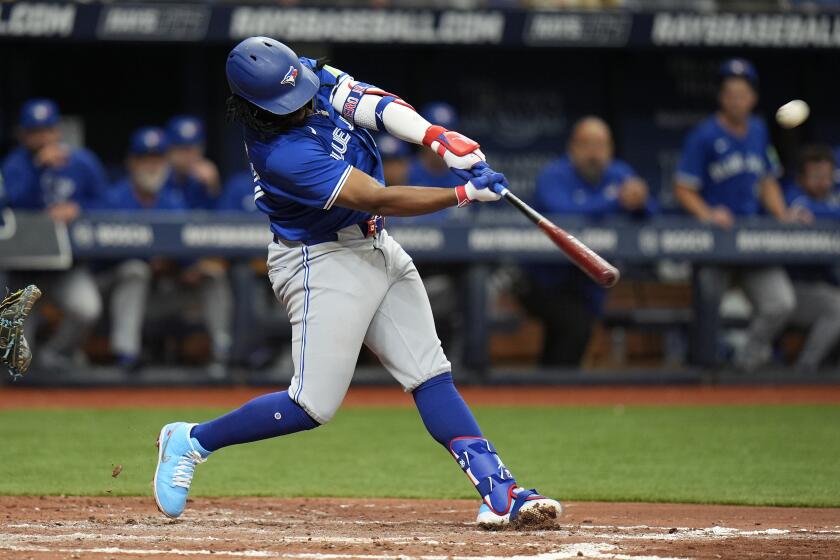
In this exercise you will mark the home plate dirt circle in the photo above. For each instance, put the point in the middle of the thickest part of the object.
(46, 528)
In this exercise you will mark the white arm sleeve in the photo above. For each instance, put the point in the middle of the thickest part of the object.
(400, 120)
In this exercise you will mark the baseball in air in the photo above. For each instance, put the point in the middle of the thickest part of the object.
(792, 113)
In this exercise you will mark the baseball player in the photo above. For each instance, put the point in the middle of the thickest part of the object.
(817, 287)
(343, 280)
(193, 176)
(727, 172)
(587, 181)
(130, 280)
(44, 173)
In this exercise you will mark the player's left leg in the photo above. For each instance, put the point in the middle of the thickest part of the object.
(402, 334)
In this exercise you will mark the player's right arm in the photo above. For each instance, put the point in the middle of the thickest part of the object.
(689, 182)
(364, 193)
(376, 109)
(305, 172)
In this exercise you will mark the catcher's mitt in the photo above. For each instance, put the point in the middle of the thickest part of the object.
(14, 309)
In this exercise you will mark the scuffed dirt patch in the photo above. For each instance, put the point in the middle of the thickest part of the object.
(48, 528)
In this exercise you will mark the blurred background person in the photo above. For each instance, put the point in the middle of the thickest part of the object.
(255, 320)
(44, 173)
(396, 159)
(237, 194)
(587, 181)
(129, 281)
(196, 178)
(817, 287)
(727, 172)
(193, 175)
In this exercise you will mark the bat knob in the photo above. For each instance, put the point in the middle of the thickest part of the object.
(609, 277)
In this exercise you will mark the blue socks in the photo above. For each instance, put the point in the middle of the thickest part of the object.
(452, 424)
(444, 412)
(275, 414)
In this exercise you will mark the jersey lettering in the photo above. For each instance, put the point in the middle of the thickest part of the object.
(735, 164)
(340, 139)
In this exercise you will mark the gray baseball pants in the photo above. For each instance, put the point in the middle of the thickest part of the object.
(771, 294)
(818, 310)
(342, 294)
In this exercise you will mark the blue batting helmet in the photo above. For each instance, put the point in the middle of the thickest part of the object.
(269, 74)
(740, 68)
(184, 130)
(38, 113)
(440, 113)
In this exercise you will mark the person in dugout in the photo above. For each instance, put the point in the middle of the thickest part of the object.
(191, 288)
(396, 158)
(128, 282)
(817, 287)
(46, 174)
(726, 174)
(587, 181)
(194, 176)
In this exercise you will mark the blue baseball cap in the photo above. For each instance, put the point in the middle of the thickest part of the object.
(739, 68)
(392, 148)
(38, 113)
(147, 141)
(185, 130)
(440, 113)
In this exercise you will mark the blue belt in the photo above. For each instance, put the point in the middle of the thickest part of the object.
(369, 227)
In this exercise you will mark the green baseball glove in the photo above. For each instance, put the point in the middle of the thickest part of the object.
(14, 309)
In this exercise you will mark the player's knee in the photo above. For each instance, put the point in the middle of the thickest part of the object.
(85, 308)
(320, 412)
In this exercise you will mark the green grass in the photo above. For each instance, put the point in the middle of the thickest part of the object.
(771, 455)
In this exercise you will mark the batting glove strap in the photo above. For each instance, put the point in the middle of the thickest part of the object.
(461, 193)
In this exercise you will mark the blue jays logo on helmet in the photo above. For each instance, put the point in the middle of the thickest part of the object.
(259, 69)
(290, 76)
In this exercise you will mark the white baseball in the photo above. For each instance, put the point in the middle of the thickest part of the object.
(792, 113)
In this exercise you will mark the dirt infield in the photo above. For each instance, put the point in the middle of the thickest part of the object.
(336, 529)
(25, 397)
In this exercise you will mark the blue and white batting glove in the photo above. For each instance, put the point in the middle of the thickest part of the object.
(482, 188)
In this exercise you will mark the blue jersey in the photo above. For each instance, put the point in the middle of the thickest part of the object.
(237, 194)
(725, 169)
(827, 208)
(299, 173)
(193, 191)
(561, 190)
(81, 180)
(121, 197)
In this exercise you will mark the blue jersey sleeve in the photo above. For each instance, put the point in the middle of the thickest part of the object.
(19, 182)
(96, 181)
(693, 162)
(305, 173)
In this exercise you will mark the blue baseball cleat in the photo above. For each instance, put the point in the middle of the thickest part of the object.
(524, 506)
(178, 454)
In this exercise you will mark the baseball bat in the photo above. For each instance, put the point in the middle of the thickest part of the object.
(596, 267)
